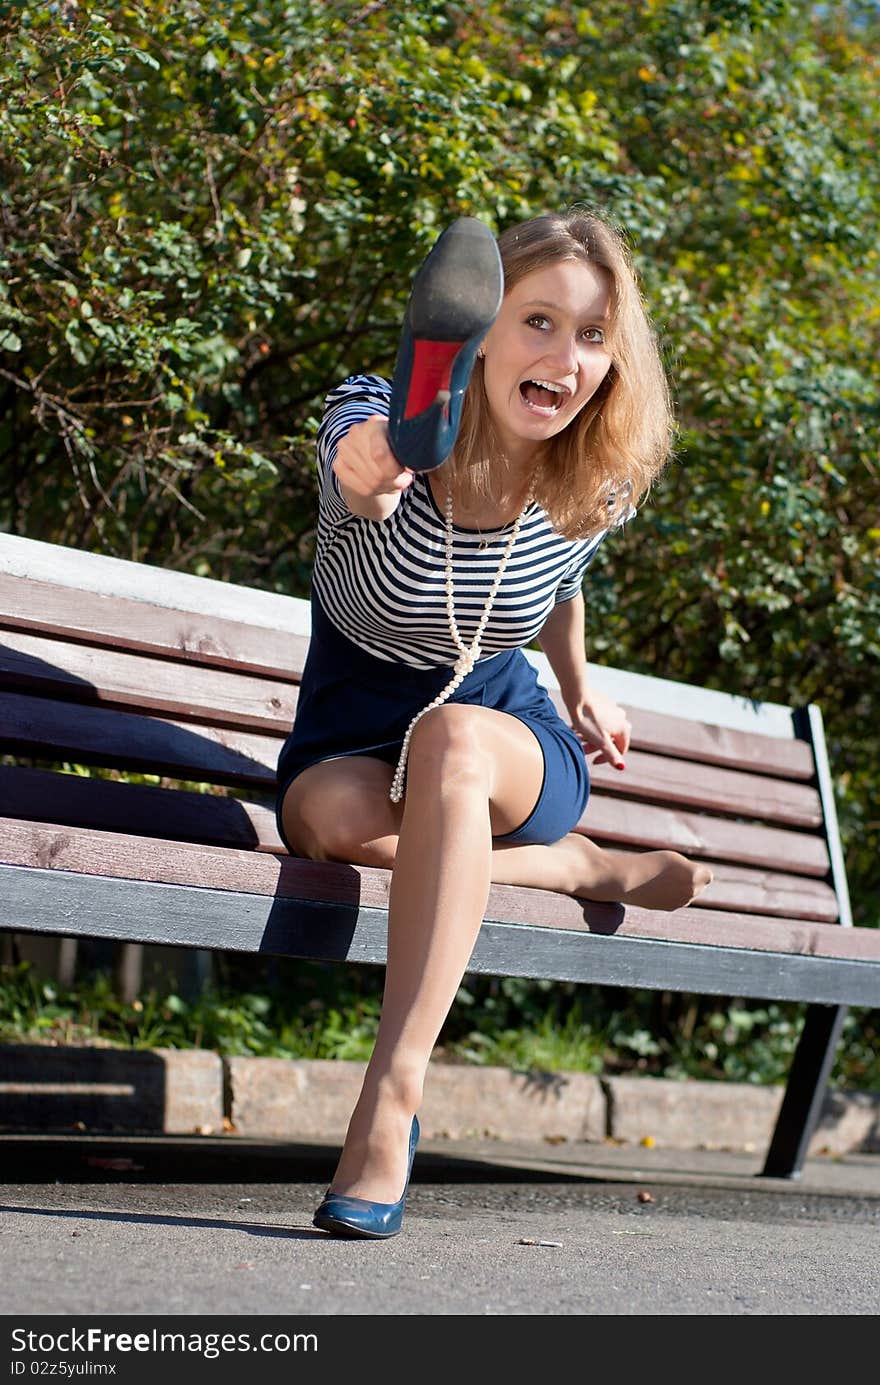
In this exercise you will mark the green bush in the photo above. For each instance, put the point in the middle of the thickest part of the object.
(305, 1010)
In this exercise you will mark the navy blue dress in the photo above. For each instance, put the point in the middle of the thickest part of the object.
(351, 703)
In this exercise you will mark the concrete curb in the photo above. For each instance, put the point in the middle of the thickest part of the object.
(304, 1100)
(110, 1089)
(193, 1091)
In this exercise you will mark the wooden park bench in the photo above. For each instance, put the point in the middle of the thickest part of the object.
(105, 662)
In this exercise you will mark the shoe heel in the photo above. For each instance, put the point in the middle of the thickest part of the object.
(430, 376)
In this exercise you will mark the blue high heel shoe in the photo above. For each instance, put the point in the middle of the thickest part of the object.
(455, 298)
(356, 1216)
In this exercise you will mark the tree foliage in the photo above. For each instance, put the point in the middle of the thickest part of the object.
(210, 214)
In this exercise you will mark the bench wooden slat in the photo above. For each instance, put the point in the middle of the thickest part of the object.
(224, 821)
(768, 892)
(27, 559)
(212, 819)
(612, 821)
(54, 667)
(662, 780)
(721, 745)
(543, 908)
(713, 745)
(125, 624)
(44, 729)
(77, 850)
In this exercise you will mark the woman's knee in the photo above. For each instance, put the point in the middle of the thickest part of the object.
(447, 742)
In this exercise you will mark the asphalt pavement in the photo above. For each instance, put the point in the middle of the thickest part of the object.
(167, 1228)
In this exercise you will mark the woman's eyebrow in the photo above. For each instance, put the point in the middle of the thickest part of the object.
(589, 318)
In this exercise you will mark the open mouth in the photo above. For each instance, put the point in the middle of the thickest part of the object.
(543, 396)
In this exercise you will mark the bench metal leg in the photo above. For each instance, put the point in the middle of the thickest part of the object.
(805, 1091)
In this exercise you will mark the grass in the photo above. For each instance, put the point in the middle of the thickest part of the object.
(267, 1008)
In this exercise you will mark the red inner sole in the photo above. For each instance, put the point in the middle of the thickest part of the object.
(432, 367)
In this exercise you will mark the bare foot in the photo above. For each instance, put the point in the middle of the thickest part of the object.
(648, 879)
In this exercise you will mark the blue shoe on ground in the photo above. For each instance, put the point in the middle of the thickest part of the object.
(356, 1216)
(455, 298)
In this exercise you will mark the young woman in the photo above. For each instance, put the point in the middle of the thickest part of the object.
(423, 742)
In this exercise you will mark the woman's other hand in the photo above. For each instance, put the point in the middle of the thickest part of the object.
(601, 725)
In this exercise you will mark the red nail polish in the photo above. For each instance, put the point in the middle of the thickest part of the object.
(621, 765)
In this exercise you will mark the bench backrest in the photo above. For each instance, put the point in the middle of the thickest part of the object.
(125, 668)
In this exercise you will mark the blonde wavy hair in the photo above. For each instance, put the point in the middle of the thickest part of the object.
(592, 473)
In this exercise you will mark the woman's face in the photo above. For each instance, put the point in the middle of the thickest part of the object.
(545, 353)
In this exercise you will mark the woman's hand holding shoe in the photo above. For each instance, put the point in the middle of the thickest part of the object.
(370, 477)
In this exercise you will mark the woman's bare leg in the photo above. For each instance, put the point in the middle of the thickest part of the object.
(472, 773)
(340, 810)
(660, 879)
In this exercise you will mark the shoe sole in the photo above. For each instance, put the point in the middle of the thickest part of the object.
(455, 297)
(341, 1228)
(459, 287)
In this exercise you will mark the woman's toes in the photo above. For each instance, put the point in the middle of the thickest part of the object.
(684, 879)
(702, 877)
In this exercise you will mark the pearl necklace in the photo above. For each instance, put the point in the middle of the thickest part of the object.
(467, 654)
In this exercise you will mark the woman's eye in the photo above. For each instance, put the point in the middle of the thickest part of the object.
(595, 335)
(536, 320)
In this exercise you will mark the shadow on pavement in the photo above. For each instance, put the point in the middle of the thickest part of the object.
(197, 1159)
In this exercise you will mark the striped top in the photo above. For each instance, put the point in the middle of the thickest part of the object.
(382, 582)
